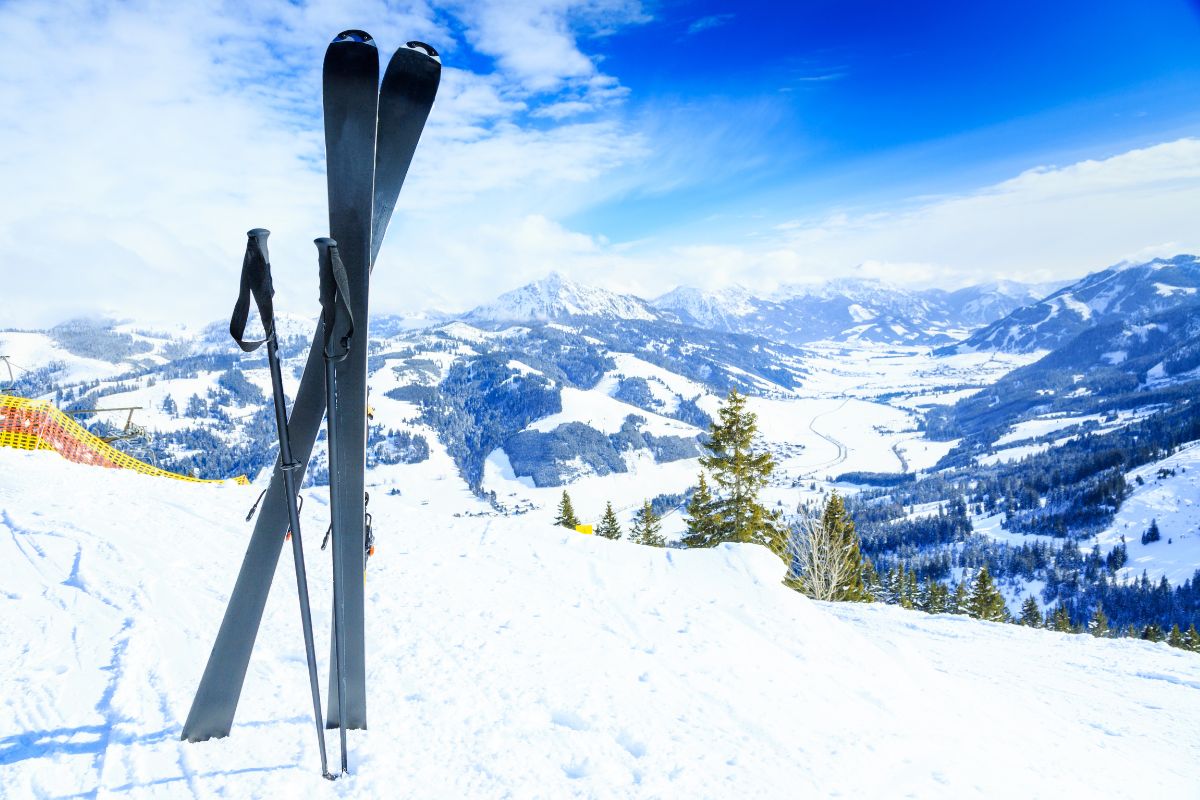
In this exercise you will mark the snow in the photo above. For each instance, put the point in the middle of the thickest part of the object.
(1174, 501)
(666, 386)
(508, 658)
(1165, 290)
(1082, 309)
(554, 297)
(606, 415)
(31, 351)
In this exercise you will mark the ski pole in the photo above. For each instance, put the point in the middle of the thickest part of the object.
(256, 281)
(338, 324)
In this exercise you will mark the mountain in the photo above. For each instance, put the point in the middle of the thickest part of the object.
(512, 658)
(975, 306)
(849, 310)
(1125, 292)
(844, 309)
(722, 311)
(556, 298)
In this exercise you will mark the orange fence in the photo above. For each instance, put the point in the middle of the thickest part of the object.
(32, 425)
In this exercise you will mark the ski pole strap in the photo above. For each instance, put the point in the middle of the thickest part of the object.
(336, 318)
(256, 282)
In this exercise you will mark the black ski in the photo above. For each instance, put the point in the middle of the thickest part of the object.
(408, 90)
(351, 96)
(215, 704)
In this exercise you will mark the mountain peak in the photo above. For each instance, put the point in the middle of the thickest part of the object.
(557, 297)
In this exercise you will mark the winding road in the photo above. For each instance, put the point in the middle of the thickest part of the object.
(841, 448)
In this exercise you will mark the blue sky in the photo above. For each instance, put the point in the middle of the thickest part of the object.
(853, 102)
(635, 145)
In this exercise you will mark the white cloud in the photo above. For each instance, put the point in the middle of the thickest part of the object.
(708, 23)
(139, 142)
(1046, 223)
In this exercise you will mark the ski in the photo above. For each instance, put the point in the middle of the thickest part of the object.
(215, 703)
(410, 84)
(351, 99)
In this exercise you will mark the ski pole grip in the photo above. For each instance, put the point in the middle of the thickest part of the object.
(336, 317)
(256, 283)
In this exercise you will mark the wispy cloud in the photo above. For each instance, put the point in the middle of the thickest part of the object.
(708, 23)
(136, 157)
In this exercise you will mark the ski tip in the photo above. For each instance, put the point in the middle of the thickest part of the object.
(324, 241)
(354, 36)
(429, 51)
(258, 233)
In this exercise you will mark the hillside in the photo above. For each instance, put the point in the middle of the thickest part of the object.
(509, 657)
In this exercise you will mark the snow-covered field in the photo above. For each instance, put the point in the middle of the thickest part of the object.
(508, 658)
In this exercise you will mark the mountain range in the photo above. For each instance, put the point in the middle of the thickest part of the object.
(844, 309)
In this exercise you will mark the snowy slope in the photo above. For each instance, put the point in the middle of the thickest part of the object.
(1169, 492)
(512, 659)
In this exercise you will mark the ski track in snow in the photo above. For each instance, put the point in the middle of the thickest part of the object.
(508, 658)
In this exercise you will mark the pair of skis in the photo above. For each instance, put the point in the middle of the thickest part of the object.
(371, 133)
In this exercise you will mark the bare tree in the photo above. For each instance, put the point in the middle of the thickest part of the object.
(821, 566)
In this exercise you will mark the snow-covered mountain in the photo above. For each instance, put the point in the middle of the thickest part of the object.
(1126, 292)
(722, 311)
(843, 309)
(509, 657)
(556, 298)
(975, 306)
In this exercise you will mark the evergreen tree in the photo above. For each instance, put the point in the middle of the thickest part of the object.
(1060, 620)
(647, 528)
(739, 474)
(1152, 632)
(566, 512)
(825, 561)
(609, 528)
(934, 597)
(196, 407)
(1175, 637)
(871, 579)
(1031, 615)
(1098, 624)
(169, 407)
(1152, 533)
(985, 601)
(958, 605)
(1191, 639)
(703, 520)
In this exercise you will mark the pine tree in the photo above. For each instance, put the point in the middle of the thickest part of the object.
(1152, 632)
(871, 579)
(959, 603)
(1031, 615)
(825, 561)
(646, 527)
(609, 528)
(934, 597)
(985, 601)
(1152, 533)
(566, 512)
(1191, 639)
(703, 520)
(1098, 624)
(1175, 637)
(739, 474)
(1060, 620)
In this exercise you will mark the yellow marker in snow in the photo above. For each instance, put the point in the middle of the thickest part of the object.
(584, 529)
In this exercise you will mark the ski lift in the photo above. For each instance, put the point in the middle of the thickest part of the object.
(12, 376)
(130, 431)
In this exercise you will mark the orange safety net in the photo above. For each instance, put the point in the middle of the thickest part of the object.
(32, 425)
